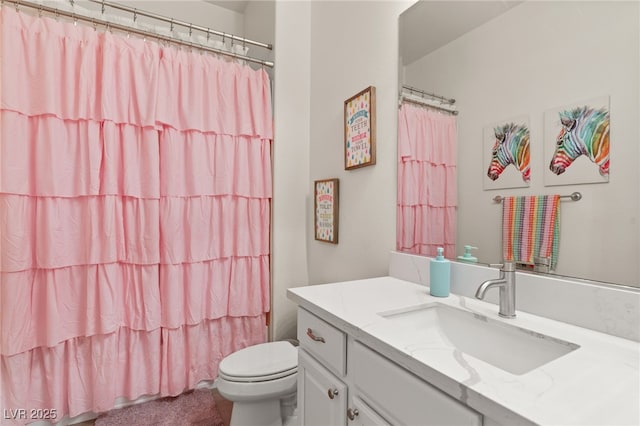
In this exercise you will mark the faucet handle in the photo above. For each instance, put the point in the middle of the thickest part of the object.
(506, 266)
(509, 266)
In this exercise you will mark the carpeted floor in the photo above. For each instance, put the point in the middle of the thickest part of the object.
(201, 407)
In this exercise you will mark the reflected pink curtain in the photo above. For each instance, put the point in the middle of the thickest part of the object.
(134, 215)
(426, 213)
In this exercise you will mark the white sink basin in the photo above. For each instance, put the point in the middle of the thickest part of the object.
(504, 346)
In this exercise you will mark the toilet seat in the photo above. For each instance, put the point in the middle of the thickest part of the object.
(265, 378)
(260, 363)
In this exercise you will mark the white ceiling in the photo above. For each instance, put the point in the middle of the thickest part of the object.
(430, 24)
(235, 5)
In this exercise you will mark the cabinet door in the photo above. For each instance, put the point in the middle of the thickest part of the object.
(322, 398)
(360, 414)
(402, 397)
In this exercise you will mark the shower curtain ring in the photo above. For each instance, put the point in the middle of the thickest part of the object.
(190, 30)
(135, 14)
(171, 27)
(103, 7)
(208, 35)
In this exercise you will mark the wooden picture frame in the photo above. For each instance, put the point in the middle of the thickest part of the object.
(360, 129)
(326, 209)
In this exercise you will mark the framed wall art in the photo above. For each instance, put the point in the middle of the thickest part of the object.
(506, 154)
(576, 143)
(326, 203)
(360, 129)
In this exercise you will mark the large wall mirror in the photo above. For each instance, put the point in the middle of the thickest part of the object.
(501, 60)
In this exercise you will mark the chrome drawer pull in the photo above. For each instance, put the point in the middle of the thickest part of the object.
(314, 337)
(352, 413)
(332, 393)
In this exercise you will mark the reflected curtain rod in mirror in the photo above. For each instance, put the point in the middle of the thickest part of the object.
(430, 100)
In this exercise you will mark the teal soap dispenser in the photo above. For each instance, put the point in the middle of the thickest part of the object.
(466, 257)
(439, 275)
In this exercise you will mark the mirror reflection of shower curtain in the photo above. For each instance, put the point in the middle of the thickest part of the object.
(427, 198)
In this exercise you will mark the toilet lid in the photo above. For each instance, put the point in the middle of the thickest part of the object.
(267, 360)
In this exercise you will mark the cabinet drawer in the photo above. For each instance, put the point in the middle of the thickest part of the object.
(402, 396)
(322, 340)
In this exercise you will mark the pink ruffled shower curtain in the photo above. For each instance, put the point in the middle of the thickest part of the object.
(134, 215)
(427, 197)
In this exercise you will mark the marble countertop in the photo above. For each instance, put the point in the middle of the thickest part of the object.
(597, 384)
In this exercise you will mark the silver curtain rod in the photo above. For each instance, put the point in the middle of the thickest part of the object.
(172, 21)
(575, 196)
(421, 92)
(124, 28)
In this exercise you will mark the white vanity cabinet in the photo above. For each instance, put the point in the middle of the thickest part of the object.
(360, 413)
(343, 382)
(322, 392)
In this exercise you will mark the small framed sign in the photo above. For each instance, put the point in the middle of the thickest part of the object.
(326, 210)
(360, 129)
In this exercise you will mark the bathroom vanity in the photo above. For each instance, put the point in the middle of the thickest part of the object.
(383, 351)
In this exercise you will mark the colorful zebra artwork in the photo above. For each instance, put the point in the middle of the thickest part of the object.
(511, 147)
(585, 131)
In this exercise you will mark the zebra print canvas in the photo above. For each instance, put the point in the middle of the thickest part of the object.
(507, 154)
(576, 143)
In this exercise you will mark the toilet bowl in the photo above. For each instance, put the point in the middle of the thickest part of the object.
(261, 381)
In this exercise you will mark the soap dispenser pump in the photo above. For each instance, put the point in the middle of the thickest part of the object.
(439, 275)
(466, 257)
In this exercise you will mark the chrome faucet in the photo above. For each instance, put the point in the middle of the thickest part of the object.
(507, 285)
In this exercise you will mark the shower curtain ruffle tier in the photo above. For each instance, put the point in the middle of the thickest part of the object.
(135, 197)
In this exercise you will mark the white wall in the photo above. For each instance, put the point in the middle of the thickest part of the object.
(353, 45)
(319, 64)
(529, 60)
(290, 160)
(260, 25)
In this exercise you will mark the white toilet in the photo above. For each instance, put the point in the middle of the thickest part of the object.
(261, 381)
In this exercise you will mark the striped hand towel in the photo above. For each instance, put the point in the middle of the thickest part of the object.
(530, 227)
